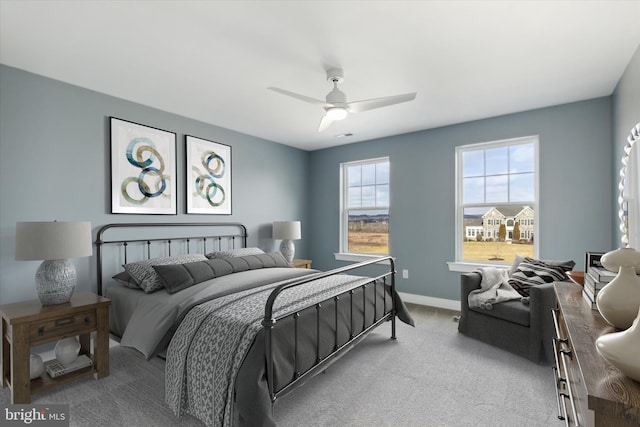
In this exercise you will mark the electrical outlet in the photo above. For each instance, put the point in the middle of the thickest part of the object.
(405, 274)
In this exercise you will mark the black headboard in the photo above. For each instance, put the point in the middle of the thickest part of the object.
(209, 234)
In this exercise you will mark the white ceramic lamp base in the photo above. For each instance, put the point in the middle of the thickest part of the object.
(288, 249)
(55, 281)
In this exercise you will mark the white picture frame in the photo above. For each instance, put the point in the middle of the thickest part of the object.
(209, 171)
(143, 169)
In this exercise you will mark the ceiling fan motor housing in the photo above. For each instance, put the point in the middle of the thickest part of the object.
(336, 96)
(335, 75)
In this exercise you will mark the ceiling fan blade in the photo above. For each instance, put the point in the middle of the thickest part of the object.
(300, 97)
(324, 123)
(370, 104)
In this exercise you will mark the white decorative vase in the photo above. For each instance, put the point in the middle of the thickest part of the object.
(622, 349)
(36, 366)
(622, 257)
(67, 350)
(619, 300)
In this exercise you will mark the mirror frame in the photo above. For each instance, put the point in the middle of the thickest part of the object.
(623, 197)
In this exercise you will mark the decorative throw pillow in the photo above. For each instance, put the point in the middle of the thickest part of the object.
(181, 276)
(516, 262)
(147, 278)
(567, 265)
(251, 262)
(126, 280)
(532, 272)
(232, 253)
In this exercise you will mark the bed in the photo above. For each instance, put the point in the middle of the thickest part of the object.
(238, 328)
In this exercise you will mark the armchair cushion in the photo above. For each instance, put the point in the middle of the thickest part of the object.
(512, 311)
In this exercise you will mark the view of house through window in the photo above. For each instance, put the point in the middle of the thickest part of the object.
(497, 200)
(365, 207)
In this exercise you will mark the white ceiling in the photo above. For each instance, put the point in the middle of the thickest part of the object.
(213, 60)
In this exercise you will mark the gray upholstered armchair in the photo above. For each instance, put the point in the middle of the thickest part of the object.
(522, 329)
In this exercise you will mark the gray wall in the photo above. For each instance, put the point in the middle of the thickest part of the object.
(626, 114)
(575, 190)
(54, 164)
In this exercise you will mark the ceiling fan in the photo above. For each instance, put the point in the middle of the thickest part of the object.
(336, 106)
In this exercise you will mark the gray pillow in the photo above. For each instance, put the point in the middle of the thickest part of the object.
(126, 280)
(147, 278)
(232, 253)
(181, 276)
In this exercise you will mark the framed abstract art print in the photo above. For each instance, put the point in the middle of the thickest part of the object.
(143, 169)
(208, 177)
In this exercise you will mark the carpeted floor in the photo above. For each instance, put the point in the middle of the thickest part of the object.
(430, 376)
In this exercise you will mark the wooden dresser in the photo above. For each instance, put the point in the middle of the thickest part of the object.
(591, 391)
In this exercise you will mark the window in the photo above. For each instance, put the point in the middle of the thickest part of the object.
(496, 186)
(365, 207)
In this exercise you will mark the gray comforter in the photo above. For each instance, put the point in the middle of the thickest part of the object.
(216, 362)
(157, 315)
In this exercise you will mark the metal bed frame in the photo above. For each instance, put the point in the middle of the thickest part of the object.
(214, 237)
(321, 363)
(269, 322)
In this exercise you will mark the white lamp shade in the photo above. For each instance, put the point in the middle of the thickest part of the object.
(286, 230)
(53, 240)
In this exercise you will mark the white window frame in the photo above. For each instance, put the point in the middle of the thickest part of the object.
(460, 264)
(343, 254)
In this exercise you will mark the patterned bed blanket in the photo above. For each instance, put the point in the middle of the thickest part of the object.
(211, 343)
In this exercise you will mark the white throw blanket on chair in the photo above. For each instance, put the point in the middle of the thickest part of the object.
(494, 288)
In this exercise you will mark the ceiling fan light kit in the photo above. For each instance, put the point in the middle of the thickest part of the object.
(336, 106)
(337, 113)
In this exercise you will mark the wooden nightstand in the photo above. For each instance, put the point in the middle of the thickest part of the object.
(29, 323)
(301, 263)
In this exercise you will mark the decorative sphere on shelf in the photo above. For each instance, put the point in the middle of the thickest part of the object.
(67, 350)
(36, 366)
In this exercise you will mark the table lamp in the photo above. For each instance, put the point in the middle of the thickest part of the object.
(287, 231)
(54, 242)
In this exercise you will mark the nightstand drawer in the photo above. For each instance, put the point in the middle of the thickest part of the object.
(301, 263)
(69, 325)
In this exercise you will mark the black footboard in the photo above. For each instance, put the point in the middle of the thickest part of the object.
(325, 331)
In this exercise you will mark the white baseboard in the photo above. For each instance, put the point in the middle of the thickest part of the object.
(448, 304)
